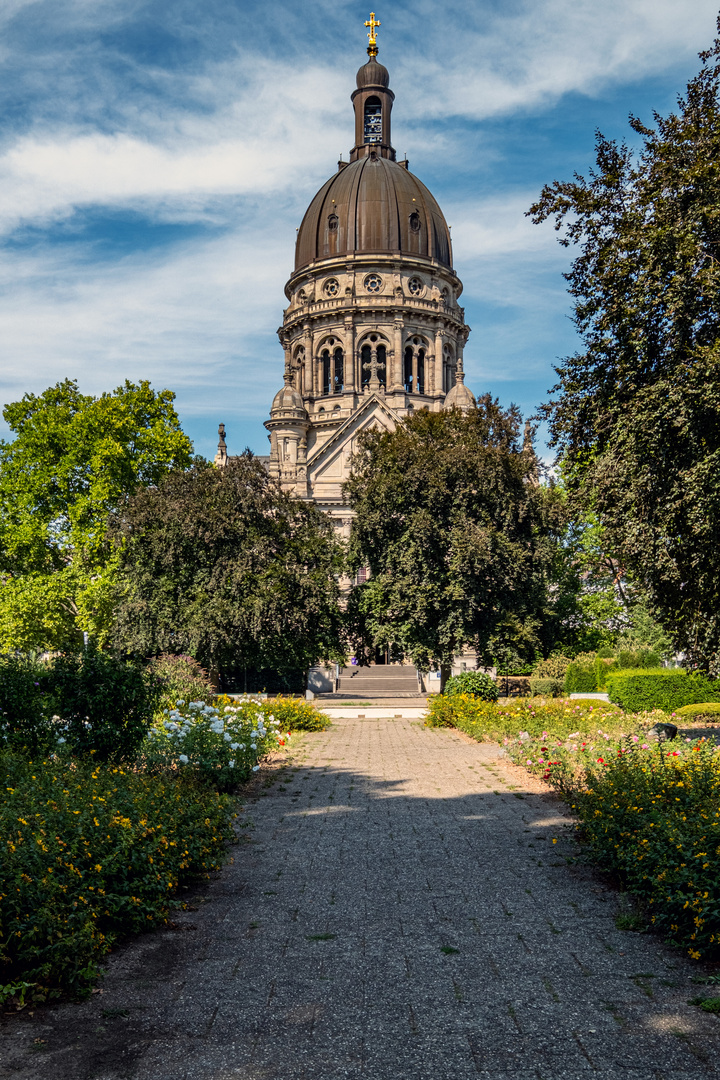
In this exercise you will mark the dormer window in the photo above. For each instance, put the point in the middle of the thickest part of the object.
(415, 221)
(373, 121)
(333, 223)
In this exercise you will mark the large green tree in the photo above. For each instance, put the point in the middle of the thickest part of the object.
(224, 565)
(74, 457)
(459, 538)
(636, 412)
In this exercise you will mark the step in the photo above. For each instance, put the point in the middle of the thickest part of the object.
(345, 686)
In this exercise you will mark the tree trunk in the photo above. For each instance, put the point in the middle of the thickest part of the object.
(445, 672)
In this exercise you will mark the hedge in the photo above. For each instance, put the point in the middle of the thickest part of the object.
(638, 689)
(545, 687)
(704, 708)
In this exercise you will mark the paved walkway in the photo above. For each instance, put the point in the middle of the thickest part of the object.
(400, 912)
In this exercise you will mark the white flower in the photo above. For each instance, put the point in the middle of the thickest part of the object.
(61, 740)
(179, 702)
(184, 758)
(253, 746)
(234, 746)
(227, 737)
(255, 768)
(232, 763)
(241, 746)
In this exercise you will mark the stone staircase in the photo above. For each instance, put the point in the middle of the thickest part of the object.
(378, 682)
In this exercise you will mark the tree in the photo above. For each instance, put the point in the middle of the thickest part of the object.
(636, 413)
(73, 459)
(457, 534)
(224, 565)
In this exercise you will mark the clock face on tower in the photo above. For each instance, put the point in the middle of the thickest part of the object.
(373, 123)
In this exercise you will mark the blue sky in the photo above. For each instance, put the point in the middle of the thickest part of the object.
(156, 160)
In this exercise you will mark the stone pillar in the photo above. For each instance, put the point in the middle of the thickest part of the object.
(350, 359)
(395, 382)
(438, 381)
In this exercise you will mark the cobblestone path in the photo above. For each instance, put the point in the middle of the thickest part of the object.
(398, 911)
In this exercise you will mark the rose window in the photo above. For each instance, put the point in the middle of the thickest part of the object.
(373, 283)
(332, 287)
(415, 286)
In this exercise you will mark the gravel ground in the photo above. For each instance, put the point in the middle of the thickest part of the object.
(397, 909)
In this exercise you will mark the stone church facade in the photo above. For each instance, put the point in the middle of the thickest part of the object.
(373, 329)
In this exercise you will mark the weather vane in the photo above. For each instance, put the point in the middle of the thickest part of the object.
(373, 24)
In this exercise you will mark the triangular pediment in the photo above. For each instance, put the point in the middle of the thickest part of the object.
(330, 462)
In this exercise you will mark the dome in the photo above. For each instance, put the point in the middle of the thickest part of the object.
(287, 400)
(373, 205)
(458, 396)
(372, 74)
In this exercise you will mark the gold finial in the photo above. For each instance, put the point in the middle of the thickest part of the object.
(373, 24)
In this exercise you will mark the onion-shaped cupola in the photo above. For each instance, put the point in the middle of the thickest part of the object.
(373, 204)
(459, 396)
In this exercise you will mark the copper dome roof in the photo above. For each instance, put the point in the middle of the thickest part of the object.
(373, 205)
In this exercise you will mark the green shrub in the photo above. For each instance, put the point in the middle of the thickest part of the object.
(220, 745)
(91, 853)
(704, 708)
(180, 678)
(651, 817)
(476, 683)
(105, 705)
(638, 658)
(581, 678)
(25, 706)
(295, 714)
(487, 720)
(660, 688)
(547, 687)
(554, 667)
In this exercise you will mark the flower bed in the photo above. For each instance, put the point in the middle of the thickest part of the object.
(92, 853)
(652, 816)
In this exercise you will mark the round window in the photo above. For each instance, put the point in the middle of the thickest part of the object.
(373, 283)
(415, 286)
(332, 287)
(301, 297)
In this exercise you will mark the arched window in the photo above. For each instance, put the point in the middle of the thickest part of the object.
(332, 361)
(373, 363)
(408, 370)
(414, 366)
(373, 120)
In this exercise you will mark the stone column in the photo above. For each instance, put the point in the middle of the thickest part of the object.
(438, 382)
(350, 360)
(395, 382)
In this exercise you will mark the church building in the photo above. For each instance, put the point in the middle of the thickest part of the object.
(373, 329)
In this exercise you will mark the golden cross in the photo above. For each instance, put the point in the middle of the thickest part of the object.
(372, 24)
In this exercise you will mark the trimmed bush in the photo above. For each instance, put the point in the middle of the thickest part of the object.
(704, 708)
(581, 678)
(662, 688)
(476, 683)
(546, 687)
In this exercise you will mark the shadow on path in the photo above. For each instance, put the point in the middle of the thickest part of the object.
(396, 910)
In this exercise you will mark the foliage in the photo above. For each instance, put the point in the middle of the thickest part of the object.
(708, 709)
(25, 706)
(589, 673)
(220, 745)
(476, 683)
(180, 677)
(528, 717)
(663, 688)
(581, 676)
(652, 818)
(104, 704)
(222, 564)
(636, 412)
(92, 853)
(553, 668)
(295, 714)
(547, 687)
(458, 538)
(72, 460)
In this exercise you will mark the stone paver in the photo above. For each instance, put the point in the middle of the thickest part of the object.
(400, 912)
